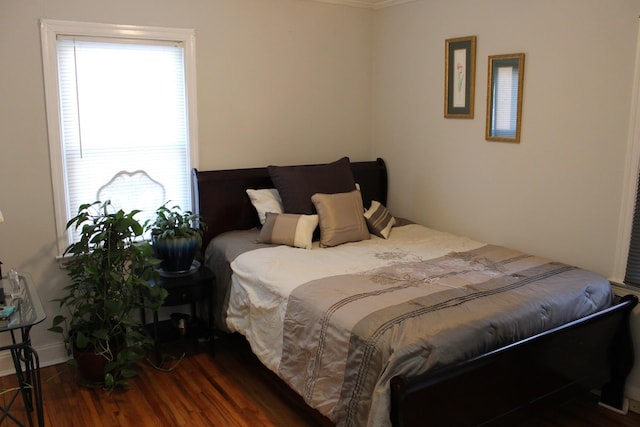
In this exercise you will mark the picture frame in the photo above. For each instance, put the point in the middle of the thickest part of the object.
(459, 77)
(505, 83)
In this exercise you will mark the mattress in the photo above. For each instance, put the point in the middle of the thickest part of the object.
(337, 323)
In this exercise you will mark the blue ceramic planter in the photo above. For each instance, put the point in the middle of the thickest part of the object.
(177, 254)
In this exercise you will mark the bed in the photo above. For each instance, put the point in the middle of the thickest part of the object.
(399, 324)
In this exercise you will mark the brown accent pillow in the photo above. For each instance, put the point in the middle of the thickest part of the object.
(289, 229)
(341, 218)
(296, 184)
(379, 220)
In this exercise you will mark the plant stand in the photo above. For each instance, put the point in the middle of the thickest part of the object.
(188, 289)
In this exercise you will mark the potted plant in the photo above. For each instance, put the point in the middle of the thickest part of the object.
(176, 237)
(112, 274)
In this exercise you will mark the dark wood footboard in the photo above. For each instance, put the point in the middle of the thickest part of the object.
(595, 352)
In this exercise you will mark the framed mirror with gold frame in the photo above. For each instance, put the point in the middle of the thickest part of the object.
(504, 97)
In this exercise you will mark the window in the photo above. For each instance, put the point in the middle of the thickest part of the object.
(120, 105)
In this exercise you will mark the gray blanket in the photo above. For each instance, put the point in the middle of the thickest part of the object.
(345, 336)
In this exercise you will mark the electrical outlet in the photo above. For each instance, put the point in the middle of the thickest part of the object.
(634, 406)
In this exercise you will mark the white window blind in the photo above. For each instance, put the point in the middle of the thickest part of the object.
(120, 114)
(504, 99)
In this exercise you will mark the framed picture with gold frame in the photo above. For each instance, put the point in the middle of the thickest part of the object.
(459, 77)
(505, 84)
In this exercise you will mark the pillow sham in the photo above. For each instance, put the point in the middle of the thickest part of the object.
(265, 200)
(289, 229)
(296, 184)
(379, 220)
(341, 218)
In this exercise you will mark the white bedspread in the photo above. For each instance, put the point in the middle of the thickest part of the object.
(263, 278)
(337, 323)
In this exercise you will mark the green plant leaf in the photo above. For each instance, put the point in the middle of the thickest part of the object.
(129, 373)
(81, 340)
(109, 381)
(101, 334)
(113, 307)
(58, 319)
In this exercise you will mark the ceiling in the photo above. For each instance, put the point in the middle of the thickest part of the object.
(368, 4)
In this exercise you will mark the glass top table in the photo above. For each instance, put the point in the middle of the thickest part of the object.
(29, 312)
(29, 309)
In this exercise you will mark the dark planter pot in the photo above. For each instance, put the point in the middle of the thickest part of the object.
(177, 254)
(91, 368)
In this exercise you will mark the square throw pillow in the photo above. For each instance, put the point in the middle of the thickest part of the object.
(379, 220)
(289, 229)
(341, 218)
(296, 184)
(265, 200)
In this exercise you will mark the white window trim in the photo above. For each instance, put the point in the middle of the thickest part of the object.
(630, 177)
(49, 31)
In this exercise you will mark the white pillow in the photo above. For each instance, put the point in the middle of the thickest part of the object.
(266, 200)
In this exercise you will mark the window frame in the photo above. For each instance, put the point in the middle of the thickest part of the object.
(49, 31)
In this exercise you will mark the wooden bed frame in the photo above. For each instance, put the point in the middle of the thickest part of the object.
(595, 352)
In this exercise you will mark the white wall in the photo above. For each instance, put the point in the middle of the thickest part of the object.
(557, 193)
(279, 81)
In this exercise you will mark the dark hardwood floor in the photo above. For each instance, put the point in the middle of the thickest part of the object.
(232, 389)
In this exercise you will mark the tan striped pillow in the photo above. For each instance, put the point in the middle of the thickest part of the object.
(379, 220)
(289, 229)
(341, 218)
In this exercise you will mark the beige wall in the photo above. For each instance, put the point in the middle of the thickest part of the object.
(279, 81)
(558, 192)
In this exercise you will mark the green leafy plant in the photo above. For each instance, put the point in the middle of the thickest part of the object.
(112, 274)
(173, 223)
(176, 237)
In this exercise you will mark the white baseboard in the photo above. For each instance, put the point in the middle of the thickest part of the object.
(48, 355)
(623, 411)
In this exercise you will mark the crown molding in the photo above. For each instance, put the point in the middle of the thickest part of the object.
(366, 4)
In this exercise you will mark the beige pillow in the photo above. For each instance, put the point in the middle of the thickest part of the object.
(341, 218)
(289, 229)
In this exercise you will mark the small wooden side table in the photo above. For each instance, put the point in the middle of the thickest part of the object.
(184, 289)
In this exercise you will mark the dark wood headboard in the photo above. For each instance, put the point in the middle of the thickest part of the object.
(220, 196)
